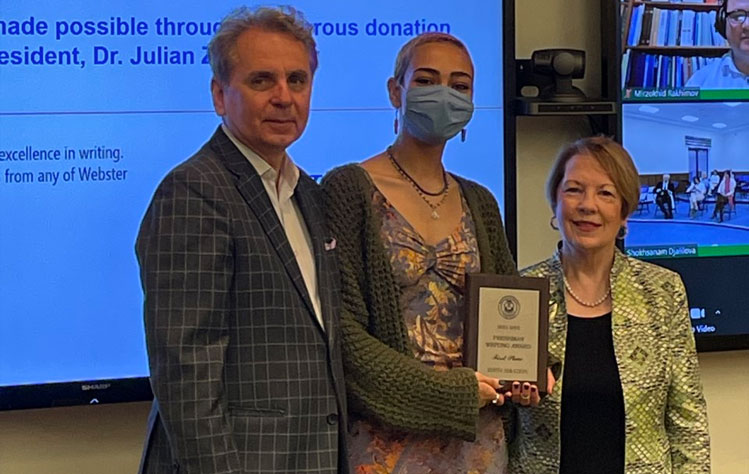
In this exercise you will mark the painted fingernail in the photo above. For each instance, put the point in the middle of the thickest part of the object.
(515, 385)
(533, 389)
(526, 386)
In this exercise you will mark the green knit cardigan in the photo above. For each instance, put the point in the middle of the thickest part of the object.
(383, 378)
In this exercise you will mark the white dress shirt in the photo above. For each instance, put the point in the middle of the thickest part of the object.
(280, 191)
(731, 187)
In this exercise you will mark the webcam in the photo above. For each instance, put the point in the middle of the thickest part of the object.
(561, 66)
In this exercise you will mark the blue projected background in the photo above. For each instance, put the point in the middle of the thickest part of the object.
(70, 296)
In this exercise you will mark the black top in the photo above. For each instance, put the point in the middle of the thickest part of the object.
(592, 400)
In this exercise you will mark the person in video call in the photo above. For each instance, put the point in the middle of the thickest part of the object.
(726, 190)
(714, 181)
(705, 183)
(629, 399)
(664, 196)
(696, 191)
(732, 70)
(408, 234)
(239, 275)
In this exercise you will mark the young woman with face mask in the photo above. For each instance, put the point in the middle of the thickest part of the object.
(407, 234)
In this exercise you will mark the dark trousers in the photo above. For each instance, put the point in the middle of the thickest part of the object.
(664, 202)
(720, 204)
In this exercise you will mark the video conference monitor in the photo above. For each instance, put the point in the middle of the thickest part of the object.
(674, 50)
(99, 100)
(685, 120)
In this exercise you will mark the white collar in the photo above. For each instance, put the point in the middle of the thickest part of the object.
(289, 171)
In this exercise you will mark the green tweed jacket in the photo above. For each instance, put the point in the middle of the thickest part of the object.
(383, 379)
(664, 408)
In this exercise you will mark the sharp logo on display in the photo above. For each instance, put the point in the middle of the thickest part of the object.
(95, 386)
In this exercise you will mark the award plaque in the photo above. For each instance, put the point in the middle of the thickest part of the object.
(506, 327)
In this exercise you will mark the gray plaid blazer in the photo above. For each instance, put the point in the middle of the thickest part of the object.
(245, 379)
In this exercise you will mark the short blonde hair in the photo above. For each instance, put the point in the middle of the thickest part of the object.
(406, 52)
(612, 157)
(222, 49)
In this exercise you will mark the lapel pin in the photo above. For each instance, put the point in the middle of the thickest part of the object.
(330, 244)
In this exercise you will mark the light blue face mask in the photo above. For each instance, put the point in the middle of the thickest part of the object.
(435, 114)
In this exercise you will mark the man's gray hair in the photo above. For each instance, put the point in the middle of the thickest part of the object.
(222, 51)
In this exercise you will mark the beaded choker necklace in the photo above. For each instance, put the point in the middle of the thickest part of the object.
(421, 191)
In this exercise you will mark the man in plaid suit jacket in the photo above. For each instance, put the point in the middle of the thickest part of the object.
(240, 278)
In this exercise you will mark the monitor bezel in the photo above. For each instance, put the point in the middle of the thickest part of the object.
(120, 390)
(704, 342)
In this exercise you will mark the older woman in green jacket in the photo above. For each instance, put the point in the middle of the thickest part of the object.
(629, 399)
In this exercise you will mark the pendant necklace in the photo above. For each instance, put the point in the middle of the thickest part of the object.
(423, 193)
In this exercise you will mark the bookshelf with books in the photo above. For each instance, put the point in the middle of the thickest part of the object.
(665, 42)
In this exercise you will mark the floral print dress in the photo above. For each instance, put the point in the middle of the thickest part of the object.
(432, 280)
